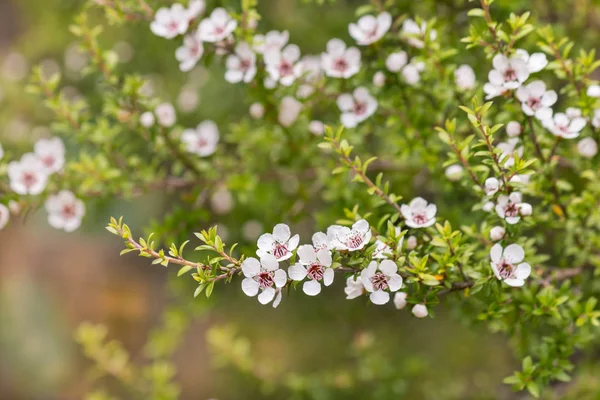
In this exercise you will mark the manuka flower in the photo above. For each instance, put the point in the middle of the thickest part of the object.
(289, 110)
(508, 73)
(566, 125)
(511, 207)
(51, 153)
(587, 147)
(381, 279)
(344, 238)
(418, 213)
(241, 65)
(217, 27)
(272, 41)
(339, 61)
(190, 52)
(264, 276)
(356, 107)
(536, 100)
(354, 287)
(464, 77)
(202, 140)
(65, 211)
(315, 266)
(283, 65)
(170, 22)
(535, 62)
(165, 114)
(279, 244)
(370, 29)
(28, 175)
(507, 266)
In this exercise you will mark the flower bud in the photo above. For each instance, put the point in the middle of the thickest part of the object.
(165, 114)
(257, 110)
(587, 147)
(400, 300)
(420, 310)
(594, 91)
(411, 242)
(289, 110)
(464, 77)
(395, 61)
(147, 119)
(221, 201)
(492, 185)
(489, 206)
(316, 128)
(525, 209)
(513, 129)
(454, 172)
(497, 233)
(379, 79)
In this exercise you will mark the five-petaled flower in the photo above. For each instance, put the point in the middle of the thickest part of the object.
(28, 175)
(170, 22)
(356, 107)
(536, 100)
(51, 153)
(339, 61)
(165, 114)
(344, 238)
(491, 186)
(315, 266)
(508, 73)
(217, 27)
(354, 287)
(264, 276)
(203, 140)
(272, 41)
(65, 211)
(381, 279)
(418, 213)
(566, 125)
(508, 266)
(511, 207)
(241, 66)
(370, 29)
(280, 243)
(190, 52)
(283, 65)
(464, 77)
(415, 34)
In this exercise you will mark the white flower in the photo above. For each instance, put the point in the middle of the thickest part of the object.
(4, 216)
(593, 91)
(370, 29)
(420, 310)
(497, 233)
(412, 72)
(511, 207)
(356, 107)
(535, 100)
(491, 186)
(165, 114)
(508, 73)
(317, 128)
(241, 66)
(464, 77)
(339, 61)
(411, 242)
(311, 68)
(320, 241)
(344, 238)
(202, 140)
(27, 176)
(195, 8)
(379, 79)
(314, 265)
(354, 287)
(51, 152)
(396, 61)
(400, 300)
(216, 27)
(190, 52)
(596, 119)
(454, 172)
(492, 90)
(508, 151)
(587, 147)
(566, 125)
(382, 250)
(65, 211)
(419, 214)
(147, 119)
(283, 66)
(257, 110)
(272, 41)
(170, 22)
(535, 62)
(379, 279)
(288, 111)
(278, 244)
(305, 91)
(415, 34)
(513, 129)
(264, 276)
(507, 266)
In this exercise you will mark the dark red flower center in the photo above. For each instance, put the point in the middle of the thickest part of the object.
(280, 250)
(379, 281)
(316, 272)
(265, 279)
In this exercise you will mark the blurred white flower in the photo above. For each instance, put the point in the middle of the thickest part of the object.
(513, 129)
(593, 91)
(288, 111)
(280, 243)
(412, 72)
(596, 118)
(314, 265)
(454, 172)
(344, 238)
(354, 287)
(339, 61)
(396, 61)
(536, 100)
(190, 52)
(15, 67)
(464, 77)
(203, 140)
(187, 100)
(28, 175)
(165, 114)
(257, 110)
(566, 125)
(381, 279)
(311, 68)
(415, 34)
(65, 211)
(379, 79)
(241, 66)
(497, 233)
(51, 152)
(283, 65)
(491, 186)
(587, 147)
(272, 41)
(509, 149)
(411, 242)
(317, 128)
(508, 73)
(195, 8)
(170, 22)
(265, 276)
(418, 213)
(420, 310)
(147, 119)
(370, 29)
(222, 201)
(400, 300)
(507, 266)
(511, 207)
(356, 107)
(488, 206)
(217, 27)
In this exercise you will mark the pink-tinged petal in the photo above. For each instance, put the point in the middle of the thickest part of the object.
(307, 254)
(395, 283)
(311, 288)
(319, 240)
(324, 257)
(269, 262)
(516, 197)
(356, 33)
(428, 223)
(577, 124)
(336, 47)
(388, 267)
(523, 271)
(233, 76)
(549, 98)
(280, 278)
(281, 233)
(379, 297)
(297, 272)
(495, 270)
(328, 276)
(266, 296)
(250, 287)
(250, 267)
(265, 242)
(496, 253)
(527, 110)
(514, 253)
(349, 120)
(293, 242)
(384, 20)
(514, 282)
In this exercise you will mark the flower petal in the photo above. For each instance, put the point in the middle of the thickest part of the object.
(297, 272)
(280, 278)
(328, 276)
(388, 267)
(311, 288)
(281, 233)
(496, 253)
(250, 267)
(269, 262)
(266, 296)
(514, 253)
(379, 297)
(250, 287)
(523, 271)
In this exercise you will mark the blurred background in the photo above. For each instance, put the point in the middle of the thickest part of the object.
(232, 348)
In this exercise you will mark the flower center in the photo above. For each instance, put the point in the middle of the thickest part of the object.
(354, 240)
(202, 142)
(534, 103)
(379, 281)
(48, 161)
(265, 279)
(419, 218)
(245, 64)
(285, 68)
(340, 64)
(68, 211)
(510, 74)
(173, 25)
(219, 30)
(505, 269)
(360, 108)
(29, 179)
(316, 272)
(511, 209)
(280, 250)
